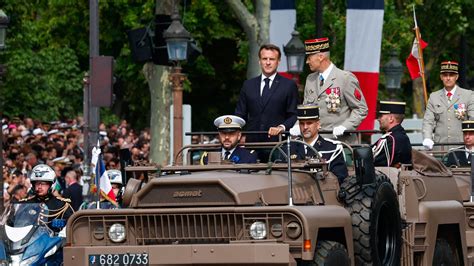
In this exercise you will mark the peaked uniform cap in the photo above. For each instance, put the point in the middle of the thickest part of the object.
(315, 46)
(391, 107)
(308, 111)
(467, 125)
(449, 67)
(229, 123)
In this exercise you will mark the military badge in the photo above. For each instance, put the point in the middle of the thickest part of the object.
(333, 99)
(357, 94)
(460, 111)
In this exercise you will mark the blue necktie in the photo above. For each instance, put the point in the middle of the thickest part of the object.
(321, 80)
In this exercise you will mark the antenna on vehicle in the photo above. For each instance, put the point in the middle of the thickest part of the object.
(472, 175)
(290, 177)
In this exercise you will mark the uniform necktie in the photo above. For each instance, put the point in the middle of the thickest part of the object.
(226, 155)
(266, 88)
(449, 94)
(321, 80)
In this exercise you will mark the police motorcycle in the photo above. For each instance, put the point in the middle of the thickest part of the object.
(31, 232)
(26, 240)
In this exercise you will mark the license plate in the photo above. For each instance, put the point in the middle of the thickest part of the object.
(119, 259)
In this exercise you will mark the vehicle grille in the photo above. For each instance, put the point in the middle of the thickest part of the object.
(153, 229)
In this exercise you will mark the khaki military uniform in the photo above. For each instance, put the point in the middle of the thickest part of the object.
(443, 118)
(340, 101)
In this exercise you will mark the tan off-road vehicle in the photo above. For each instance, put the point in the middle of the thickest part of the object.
(283, 214)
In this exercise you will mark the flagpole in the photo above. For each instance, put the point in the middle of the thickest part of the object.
(421, 62)
(97, 173)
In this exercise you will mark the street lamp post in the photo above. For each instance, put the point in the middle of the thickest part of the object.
(177, 39)
(3, 29)
(393, 71)
(295, 54)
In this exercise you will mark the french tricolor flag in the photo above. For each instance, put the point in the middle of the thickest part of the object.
(101, 176)
(363, 44)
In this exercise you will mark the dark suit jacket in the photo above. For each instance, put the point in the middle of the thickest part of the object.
(239, 155)
(458, 157)
(279, 107)
(242, 155)
(337, 166)
(74, 193)
(400, 143)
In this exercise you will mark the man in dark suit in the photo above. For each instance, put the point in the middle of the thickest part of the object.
(229, 127)
(461, 156)
(268, 101)
(394, 147)
(332, 151)
(73, 190)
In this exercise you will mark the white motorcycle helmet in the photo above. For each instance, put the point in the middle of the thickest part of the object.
(115, 176)
(42, 172)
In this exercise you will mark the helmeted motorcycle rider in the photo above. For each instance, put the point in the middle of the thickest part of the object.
(59, 209)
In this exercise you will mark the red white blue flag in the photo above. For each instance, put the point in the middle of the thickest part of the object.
(101, 176)
(363, 44)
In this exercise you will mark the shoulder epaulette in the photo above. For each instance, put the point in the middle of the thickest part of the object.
(27, 199)
(63, 199)
(457, 148)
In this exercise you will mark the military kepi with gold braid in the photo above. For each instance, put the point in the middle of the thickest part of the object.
(449, 67)
(391, 107)
(467, 125)
(308, 111)
(315, 46)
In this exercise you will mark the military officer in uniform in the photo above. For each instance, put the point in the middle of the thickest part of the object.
(394, 147)
(461, 156)
(332, 151)
(230, 127)
(59, 209)
(446, 109)
(337, 92)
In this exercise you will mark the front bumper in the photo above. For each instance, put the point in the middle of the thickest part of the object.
(205, 254)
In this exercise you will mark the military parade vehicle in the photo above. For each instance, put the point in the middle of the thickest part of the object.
(282, 213)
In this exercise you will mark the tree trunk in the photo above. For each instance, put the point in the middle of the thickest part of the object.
(256, 27)
(160, 93)
(160, 101)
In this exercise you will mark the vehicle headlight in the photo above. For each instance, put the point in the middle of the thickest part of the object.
(276, 230)
(258, 230)
(117, 233)
(293, 230)
(51, 251)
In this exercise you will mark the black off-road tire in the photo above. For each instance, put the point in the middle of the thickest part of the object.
(443, 254)
(331, 253)
(376, 222)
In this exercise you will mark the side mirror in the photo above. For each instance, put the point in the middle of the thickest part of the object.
(364, 165)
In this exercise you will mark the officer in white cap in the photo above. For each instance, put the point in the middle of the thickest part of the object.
(229, 127)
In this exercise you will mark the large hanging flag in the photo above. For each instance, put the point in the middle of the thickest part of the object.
(363, 44)
(101, 176)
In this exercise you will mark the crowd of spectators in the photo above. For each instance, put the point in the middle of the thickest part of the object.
(60, 144)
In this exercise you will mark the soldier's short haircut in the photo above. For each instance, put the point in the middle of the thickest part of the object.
(399, 117)
(269, 46)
